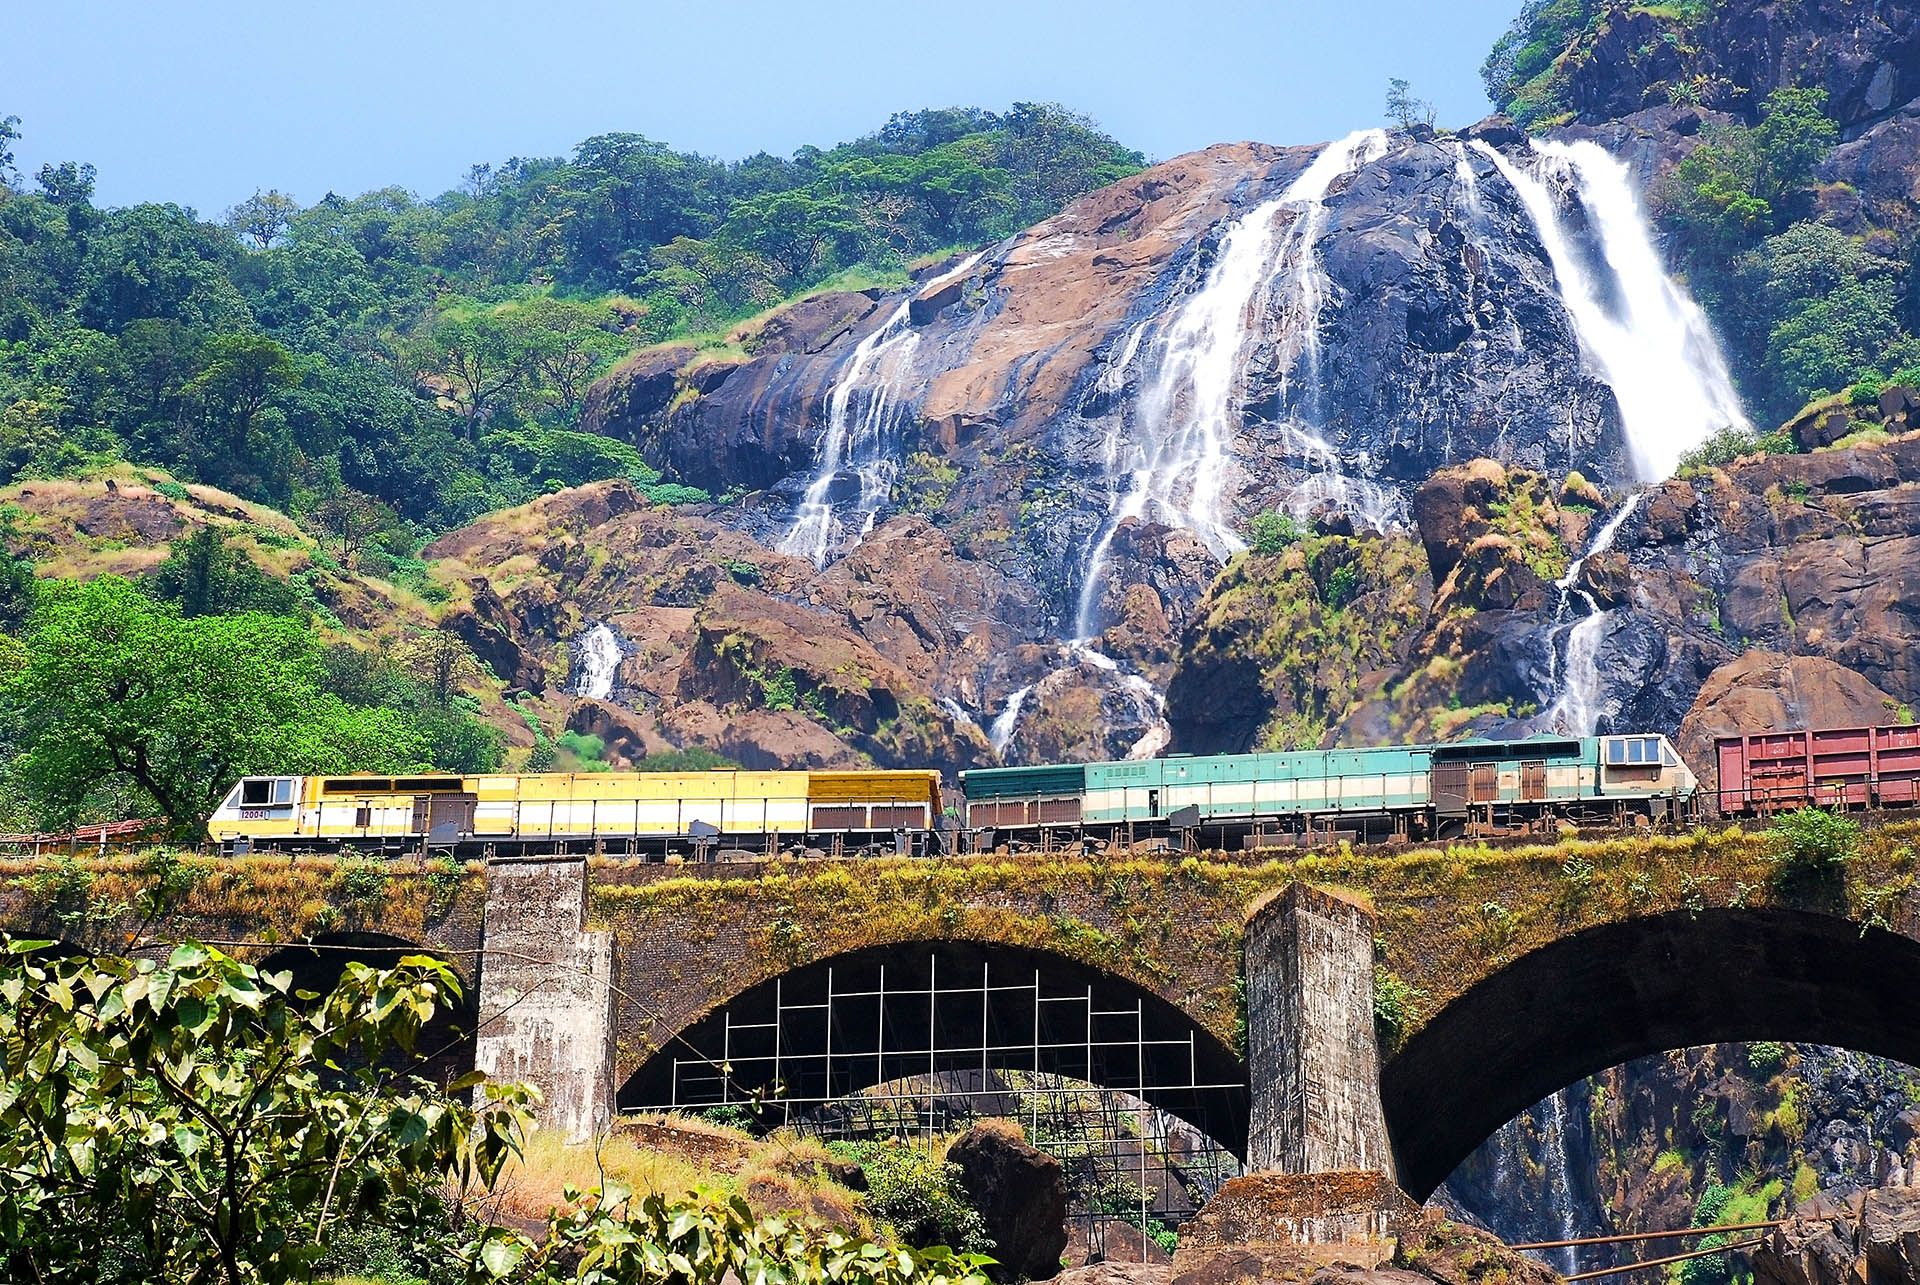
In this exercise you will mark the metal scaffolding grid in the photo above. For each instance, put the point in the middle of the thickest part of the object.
(915, 1056)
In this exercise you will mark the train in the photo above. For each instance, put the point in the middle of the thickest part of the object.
(625, 813)
(1408, 792)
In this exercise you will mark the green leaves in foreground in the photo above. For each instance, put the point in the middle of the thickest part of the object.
(198, 1121)
(201, 1121)
(613, 1237)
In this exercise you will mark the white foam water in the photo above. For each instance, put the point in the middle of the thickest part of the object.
(1581, 702)
(864, 411)
(598, 655)
(1642, 335)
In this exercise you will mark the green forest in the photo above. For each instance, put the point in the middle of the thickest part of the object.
(405, 365)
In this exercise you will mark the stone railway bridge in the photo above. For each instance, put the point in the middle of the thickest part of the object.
(1315, 1013)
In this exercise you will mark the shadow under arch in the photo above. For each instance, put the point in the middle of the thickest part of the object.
(1612, 993)
(836, 1027)
(444, 1049)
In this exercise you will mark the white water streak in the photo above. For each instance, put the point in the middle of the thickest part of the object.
(599, 654)
(863, 418)
(1580, 704)
(1189, 412)
(1000, 733)
(1640, 332)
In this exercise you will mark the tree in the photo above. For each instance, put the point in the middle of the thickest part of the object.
(201, 1121)
(263, 218)
(482, 361)
(568, 346)
(240, 375)
(116, 687)
(9, 135)
(1403, 109)
(206, 578)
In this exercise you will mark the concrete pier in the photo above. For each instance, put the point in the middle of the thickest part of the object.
(1312, 1059)
(546, 993)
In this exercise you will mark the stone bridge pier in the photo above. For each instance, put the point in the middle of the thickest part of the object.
(1320, 1160)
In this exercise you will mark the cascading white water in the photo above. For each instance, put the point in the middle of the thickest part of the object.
(863, 417)
(1189, 411)
(597, 655)
(1580, 704)
(1645, 338)
(1557, 1164)
(1149, 704)
(1000, 731)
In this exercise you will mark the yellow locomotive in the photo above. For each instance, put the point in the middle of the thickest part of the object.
(623, 813)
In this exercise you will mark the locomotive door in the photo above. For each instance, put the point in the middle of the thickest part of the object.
(1533, 781)
(444, 818)
(1484, 785)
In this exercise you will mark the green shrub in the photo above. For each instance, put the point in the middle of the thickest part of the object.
(1393, 1007)
(1271, 532)
(1764, 1057)
(1812, 844)
(917, 1196)
(1343, 585)
(582, 745)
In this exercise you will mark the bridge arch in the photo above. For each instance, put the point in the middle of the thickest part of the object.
(840, 1025)
(1603, 996)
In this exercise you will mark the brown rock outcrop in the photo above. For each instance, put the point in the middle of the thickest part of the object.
(1835, 1239)
(1021, 1193)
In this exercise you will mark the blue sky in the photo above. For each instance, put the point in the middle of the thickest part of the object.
(203, 103)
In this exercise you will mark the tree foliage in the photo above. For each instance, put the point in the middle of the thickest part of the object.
(114, 688)
(201, 1121)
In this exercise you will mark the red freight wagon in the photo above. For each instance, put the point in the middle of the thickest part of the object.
(1845, 767)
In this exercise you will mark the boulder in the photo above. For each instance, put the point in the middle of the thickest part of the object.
(1117, 1273)
(1021, 1194)
(1890, 1236)
(1453, 1253)
(1762, 691)
(1816, 1246)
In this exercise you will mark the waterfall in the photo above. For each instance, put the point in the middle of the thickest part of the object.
(864, 411)
(1644, 337)
(1557, 1171)
(1578, 708)
(1000, 732)
(1148, 704)
(1189, 412)
(597, 661)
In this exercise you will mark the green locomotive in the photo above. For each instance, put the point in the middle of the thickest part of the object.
(1414, 792)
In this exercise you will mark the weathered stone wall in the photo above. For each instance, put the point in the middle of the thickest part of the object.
(546, 993)
(1312, 1059)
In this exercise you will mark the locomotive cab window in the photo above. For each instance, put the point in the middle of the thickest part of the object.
(265, 792)
(1634, 751)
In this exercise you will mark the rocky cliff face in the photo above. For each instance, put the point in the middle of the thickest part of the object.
(1728, 1133)
(1092, 413)
(1865, 55)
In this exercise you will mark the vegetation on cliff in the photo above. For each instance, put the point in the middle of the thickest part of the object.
(383, 364)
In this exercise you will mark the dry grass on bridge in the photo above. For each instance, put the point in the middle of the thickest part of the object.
(690, 937)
